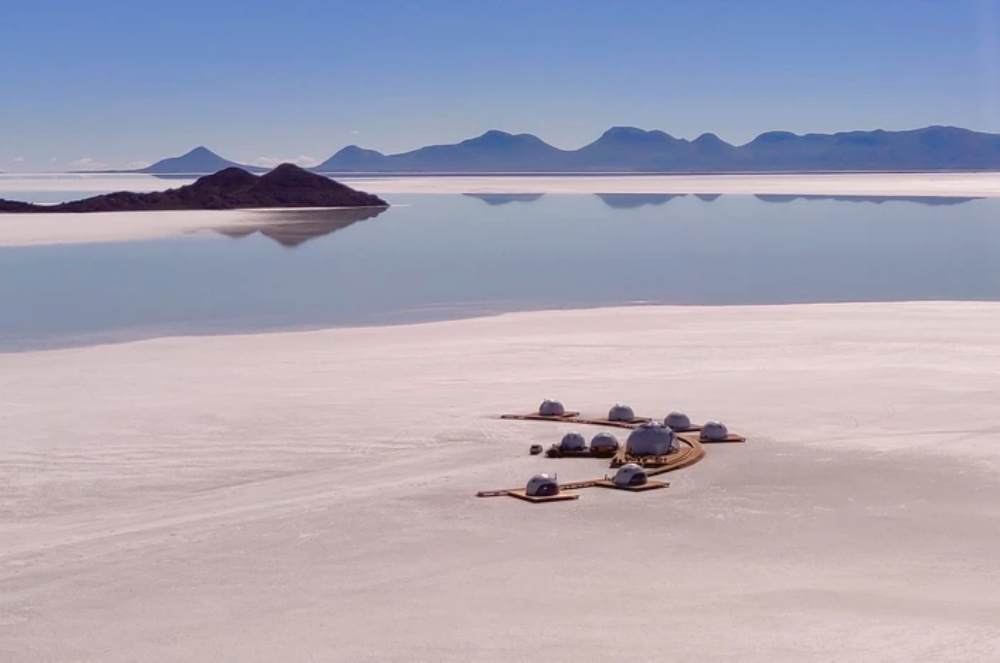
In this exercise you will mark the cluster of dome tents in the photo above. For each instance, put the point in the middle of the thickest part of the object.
(648, 437)
(652, 447)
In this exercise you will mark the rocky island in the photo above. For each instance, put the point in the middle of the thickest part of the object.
(287, 186)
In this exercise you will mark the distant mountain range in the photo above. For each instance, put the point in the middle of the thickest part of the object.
(198, 161)
(631, 150)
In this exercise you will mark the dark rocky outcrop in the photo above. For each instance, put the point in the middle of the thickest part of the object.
(233, 188)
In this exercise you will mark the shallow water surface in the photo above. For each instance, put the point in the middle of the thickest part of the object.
(435, 257)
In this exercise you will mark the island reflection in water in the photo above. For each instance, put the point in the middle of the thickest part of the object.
(294, 227)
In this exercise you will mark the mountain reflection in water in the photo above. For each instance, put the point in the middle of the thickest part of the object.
(636, 200)
(494, 199)
(878, 200)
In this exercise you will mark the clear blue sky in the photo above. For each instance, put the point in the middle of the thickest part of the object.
(130, 80)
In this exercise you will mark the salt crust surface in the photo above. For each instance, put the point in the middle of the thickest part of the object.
(309, 496)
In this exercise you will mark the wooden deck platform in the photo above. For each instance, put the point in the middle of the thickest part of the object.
(521, 494)
(534, 416)
(612, 424)
(503, 492)
(555, 452)
(731, 438)
(649, 485)
(689, 453)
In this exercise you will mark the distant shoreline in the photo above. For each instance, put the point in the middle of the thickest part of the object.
(31, 229)
(931, 185)
(542, 173)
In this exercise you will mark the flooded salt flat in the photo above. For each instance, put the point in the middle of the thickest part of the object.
(432, 257)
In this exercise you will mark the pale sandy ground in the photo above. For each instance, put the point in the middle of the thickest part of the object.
(308, 496)
(25, 230)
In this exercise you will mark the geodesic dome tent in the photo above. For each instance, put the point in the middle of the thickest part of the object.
(650, 439)
(714, 431)
(677, 421)
(621, 413)
(572, 442)
(551, 409)
(630, 474)
(542, 485)
(604, 442)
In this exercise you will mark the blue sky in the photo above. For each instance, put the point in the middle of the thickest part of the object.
(119, 82)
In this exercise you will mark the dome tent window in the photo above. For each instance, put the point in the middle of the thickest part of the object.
(651, 439)
(621, 413)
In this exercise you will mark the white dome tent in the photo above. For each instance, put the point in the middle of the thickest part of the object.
(677, 422)
(542, 485)
(550, 408)
(604, 443)
(621, 413)
(573, 442)
(714, 431)
(650, 439)
(630, 474)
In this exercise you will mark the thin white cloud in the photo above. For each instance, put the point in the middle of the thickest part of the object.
(18, 159)
(266, 162)
(306, 161)
(54, 159)
(136, 165)
(87, 163)
(355, 133)
(302, 160)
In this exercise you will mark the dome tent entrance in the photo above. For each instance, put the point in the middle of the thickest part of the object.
(572, 445)
(542, 485)
(604, 444)
(630, 475)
